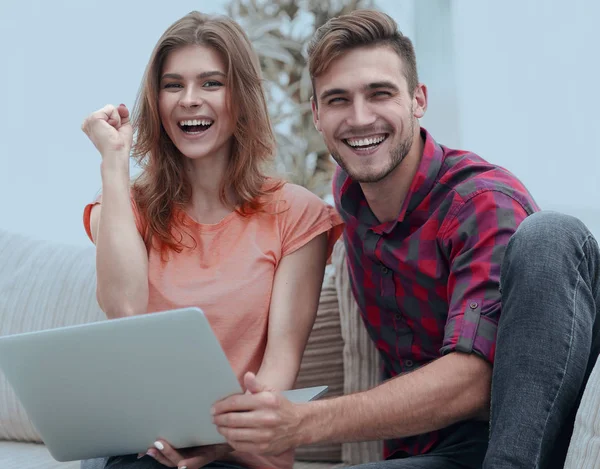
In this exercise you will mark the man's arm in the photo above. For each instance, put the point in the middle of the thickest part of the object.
(453, 388)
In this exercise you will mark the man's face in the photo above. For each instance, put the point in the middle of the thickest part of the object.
(366, 113)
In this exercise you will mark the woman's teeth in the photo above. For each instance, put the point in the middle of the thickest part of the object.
(205, 122)
(195, 126)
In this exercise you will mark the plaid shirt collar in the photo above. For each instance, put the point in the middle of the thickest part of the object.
(354, 204)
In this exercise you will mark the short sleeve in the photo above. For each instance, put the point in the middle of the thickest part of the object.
(303, 216)
(476, 240)
(87, 212)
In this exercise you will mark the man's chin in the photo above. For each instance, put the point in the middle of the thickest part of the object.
(363, 172)
(367, 176)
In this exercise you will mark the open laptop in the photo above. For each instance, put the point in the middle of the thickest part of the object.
(113, 387)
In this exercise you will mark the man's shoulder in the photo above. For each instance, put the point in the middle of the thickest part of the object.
(467, 174)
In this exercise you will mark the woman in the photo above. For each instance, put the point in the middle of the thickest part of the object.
(203, 225)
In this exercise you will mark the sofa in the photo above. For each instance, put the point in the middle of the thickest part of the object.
(45, 284)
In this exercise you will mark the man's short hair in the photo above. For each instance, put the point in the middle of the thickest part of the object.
(361, 28)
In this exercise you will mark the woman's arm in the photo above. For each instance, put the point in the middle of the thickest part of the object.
(294, 302)
(121, 257)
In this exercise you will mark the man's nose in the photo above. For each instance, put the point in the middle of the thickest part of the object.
(361, 114)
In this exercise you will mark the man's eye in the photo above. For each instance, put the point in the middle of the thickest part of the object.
(336, 100)
(381, 93)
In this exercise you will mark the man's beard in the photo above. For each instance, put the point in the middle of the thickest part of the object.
(397, 155)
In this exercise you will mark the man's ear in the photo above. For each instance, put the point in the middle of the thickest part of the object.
(315, 113)
(420, 101)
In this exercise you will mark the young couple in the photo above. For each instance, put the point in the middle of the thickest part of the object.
(484, 309)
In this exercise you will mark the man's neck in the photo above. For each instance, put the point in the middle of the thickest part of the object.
(385, 198)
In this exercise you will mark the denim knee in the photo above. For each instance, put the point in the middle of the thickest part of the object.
(544, 241)
(547, 226)
(548, 230)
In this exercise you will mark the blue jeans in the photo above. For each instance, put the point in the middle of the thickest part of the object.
(548, 341)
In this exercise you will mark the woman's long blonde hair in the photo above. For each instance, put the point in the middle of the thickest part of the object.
(162, 189)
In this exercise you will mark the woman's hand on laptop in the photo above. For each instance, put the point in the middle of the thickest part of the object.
(261, 421)
(189, 458)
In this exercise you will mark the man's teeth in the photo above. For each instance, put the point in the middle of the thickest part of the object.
(361, 142)
(204, 122)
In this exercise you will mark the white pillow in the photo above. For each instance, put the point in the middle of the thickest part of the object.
(42, 285)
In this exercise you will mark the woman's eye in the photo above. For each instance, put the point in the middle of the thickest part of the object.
(172, 85)
(212, 84)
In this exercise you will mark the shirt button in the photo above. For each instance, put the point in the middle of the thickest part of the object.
(473, 305)
(398, 316)
(408, 363)
(384, 269)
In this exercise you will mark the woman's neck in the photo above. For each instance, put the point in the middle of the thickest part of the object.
(205, 176)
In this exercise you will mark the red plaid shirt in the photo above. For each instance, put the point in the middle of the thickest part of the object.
(428, 283)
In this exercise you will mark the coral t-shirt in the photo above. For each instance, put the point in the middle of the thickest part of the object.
(229, 273)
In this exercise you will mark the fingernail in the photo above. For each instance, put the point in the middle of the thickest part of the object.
(159, 446)
(140, 455)
(150, 454)
(183, 467)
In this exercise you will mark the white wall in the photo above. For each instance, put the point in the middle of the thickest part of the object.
(529, 94)
(61, 61)
(434, 47)
(514, 81)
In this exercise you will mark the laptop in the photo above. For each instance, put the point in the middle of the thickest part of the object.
(113, 387)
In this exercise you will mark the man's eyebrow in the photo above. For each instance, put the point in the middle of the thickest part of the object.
(381, 84)
(200, 76)
(327, 93)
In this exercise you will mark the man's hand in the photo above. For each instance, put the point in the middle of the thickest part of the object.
(188, 458)
(261, 421)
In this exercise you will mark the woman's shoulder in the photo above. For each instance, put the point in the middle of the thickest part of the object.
(294, 193)
(302, 215)
(295, 202)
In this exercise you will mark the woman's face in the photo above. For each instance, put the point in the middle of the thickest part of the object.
(193, 102)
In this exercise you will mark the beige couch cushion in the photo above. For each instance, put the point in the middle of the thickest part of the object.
(584, 449)
(42, 285)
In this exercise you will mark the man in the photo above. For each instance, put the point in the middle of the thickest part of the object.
(427, 238)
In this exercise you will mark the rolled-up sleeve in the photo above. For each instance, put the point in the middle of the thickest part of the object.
(475, 239)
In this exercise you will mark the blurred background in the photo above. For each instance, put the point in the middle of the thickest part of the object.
(514, 81)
